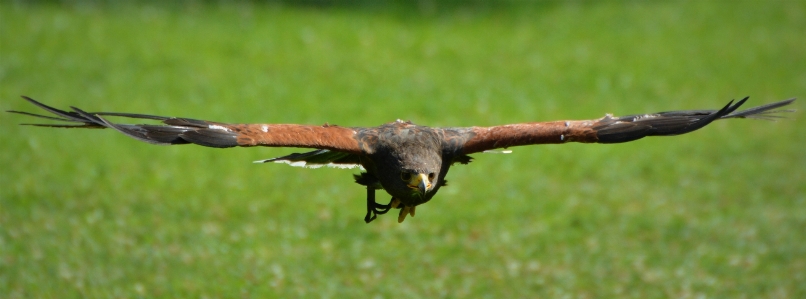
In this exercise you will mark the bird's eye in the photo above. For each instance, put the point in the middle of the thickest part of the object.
(405, 176)
(431, 176)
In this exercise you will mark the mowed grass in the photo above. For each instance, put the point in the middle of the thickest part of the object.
(719, 213)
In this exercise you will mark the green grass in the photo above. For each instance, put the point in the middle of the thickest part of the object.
(719, 213)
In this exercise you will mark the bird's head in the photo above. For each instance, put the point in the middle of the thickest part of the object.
(413, 179)
(418, 183)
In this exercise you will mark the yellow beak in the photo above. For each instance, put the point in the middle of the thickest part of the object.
(420, 182)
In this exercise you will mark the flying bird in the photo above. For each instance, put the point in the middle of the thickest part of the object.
(406, 160)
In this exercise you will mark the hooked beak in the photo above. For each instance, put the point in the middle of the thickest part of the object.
(421, 183)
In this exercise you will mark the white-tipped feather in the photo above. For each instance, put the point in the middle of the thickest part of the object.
(217, 127)
(312, 166)
(498, 151)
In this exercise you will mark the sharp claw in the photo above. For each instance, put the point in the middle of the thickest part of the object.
(411, 210)
(403, 213)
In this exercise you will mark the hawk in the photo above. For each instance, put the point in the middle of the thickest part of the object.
(406, 160)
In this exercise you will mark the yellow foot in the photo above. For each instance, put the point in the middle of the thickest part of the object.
(403, 213)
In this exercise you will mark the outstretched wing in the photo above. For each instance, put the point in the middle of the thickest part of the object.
(608, 129)
(176, 130)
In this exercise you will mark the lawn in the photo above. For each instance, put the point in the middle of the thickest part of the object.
(718, 213)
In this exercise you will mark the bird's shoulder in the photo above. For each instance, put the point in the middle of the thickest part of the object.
(397, 133)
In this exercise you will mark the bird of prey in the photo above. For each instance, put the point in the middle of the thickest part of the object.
(406, 160)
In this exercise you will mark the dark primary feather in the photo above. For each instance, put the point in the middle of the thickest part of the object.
(763, 112)
(633, 127)
(63, 116)
(176, 130)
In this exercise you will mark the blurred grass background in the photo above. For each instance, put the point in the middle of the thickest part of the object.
(717, 213)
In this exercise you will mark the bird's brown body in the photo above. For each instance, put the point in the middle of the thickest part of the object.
(408, 161)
